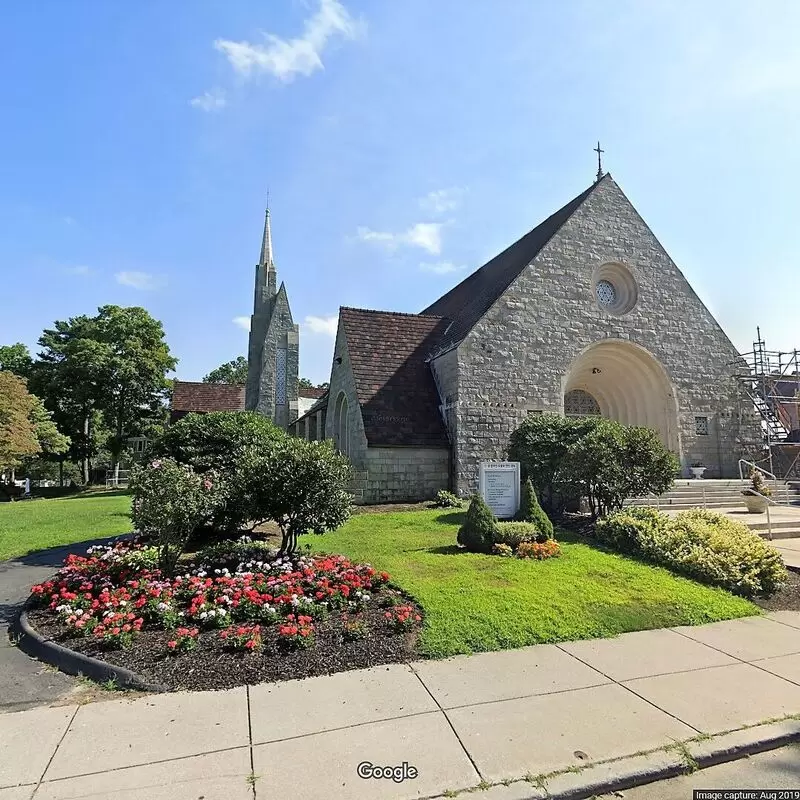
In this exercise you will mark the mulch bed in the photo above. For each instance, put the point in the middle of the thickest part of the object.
(211, 666)
(787, 599)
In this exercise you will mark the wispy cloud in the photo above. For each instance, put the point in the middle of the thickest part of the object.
(442, 267)
(144, 281)
(302, 55)
(427, 235)
(442, 200)
(324, 325)
(213, 100)
(68, 220)
(242, 322)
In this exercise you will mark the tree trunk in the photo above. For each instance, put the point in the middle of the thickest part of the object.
(61, 473)
(85, 457)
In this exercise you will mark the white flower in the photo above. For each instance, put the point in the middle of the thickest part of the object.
(162, 606)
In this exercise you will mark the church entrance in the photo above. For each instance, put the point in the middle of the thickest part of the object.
(624, 382)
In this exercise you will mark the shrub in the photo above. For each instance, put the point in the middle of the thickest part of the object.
(302, 486)
(539, 550)
(701, 544)
(169, 502)
(445, 499)
(477, 534)
(233, 443)
(230, 553)
(531, 511)
(503, 550)
(591, 457)
(515, 533)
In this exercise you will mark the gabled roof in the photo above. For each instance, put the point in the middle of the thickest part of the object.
(188, 397)
(467, 302)
(396, 391)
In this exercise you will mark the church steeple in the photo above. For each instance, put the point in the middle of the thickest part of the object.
(266, 243)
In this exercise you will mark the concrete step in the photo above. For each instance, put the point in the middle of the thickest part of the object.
(784, 533)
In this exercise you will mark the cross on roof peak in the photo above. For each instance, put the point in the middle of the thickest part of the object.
(599, 151)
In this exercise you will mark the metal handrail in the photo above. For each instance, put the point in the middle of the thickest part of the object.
(752, 491)
(754, 466)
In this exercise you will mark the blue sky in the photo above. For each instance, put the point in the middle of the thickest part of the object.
(404, 143)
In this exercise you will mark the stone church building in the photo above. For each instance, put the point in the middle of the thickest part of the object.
(585, 314)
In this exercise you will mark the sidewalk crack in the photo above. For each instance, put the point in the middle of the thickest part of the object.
(450, 723)
(50, 760)
(252, 777)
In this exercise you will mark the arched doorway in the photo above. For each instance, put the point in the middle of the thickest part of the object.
(622, 381)
(340, 424)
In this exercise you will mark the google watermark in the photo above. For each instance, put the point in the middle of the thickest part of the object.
(401, 772)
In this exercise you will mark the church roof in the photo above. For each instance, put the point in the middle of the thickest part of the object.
(395, 387)
(200, 398)
(468, 301)
(314, 392)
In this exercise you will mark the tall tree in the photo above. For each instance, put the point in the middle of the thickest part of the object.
(112, 367)
(230, 372)
(134, 381)
(26, 427)
(16, 358)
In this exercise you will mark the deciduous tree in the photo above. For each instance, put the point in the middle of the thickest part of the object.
(230, 372)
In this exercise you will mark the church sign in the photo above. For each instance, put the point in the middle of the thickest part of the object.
(499, 487)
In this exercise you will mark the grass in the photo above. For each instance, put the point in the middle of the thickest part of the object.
(38, 524)
(472, 602)
(478, 602)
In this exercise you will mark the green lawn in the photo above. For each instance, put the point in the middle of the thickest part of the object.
(478, 602)
(31, 525)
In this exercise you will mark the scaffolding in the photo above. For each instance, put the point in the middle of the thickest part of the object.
(771, 379)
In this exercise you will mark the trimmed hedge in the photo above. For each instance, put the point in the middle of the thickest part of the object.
(515, 533)
(700, 544)
(478, 531)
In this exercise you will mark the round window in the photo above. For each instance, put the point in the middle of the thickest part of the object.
(606, 293)
(615, 289)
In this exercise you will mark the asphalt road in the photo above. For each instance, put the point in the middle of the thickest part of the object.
(777, 769)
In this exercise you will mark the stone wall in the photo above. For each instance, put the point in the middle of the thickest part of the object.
(343, 382)
(516, 359)
(401, 474)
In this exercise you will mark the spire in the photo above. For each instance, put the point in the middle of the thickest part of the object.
(266, 259)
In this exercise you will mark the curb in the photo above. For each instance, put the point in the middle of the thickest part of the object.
(632, 771)
(30, 641)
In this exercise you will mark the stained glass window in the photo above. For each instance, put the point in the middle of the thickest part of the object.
(280, 375)
(579, 403)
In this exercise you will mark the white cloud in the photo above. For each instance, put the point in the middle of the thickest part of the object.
(325, 325)
(209, 101)
(441, 268)
(427, 235)
(242, 322)
(441, 200)
(68, 220)
(80, 269)
(138, 280)
(285, 58)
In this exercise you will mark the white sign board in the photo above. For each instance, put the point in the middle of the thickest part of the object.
(499, 487)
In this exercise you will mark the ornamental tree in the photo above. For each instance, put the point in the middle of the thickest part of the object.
(170, 501)
(26, 427)
(300, 485)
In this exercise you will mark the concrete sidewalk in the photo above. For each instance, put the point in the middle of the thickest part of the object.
(460, 723)
(790, 550)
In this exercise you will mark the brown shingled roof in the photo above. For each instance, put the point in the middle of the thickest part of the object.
(314, 392)
(469, 300)
(398, 397)
(188, 397)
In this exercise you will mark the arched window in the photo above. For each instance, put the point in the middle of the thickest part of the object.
(579, 403)
(340, 430)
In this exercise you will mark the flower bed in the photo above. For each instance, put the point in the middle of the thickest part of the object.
(235, 615)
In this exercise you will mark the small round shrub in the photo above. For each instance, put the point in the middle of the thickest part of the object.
(445, 499)
(625, 531)
(477, 534)
(531, 511)
(515, 533)
(503, 550)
